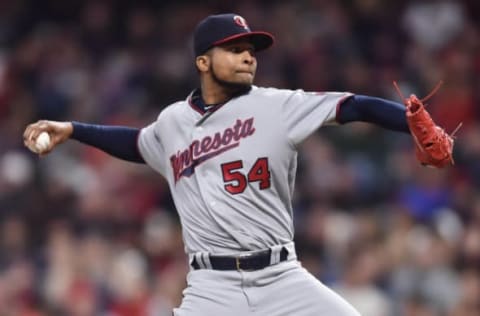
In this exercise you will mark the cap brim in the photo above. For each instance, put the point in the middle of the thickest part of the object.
(260, 40)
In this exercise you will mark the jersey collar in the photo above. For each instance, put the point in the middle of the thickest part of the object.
(196, 102)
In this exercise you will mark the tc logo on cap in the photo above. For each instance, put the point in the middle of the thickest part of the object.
(218, 29)
(241, 22)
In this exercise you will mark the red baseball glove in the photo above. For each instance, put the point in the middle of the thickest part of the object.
(433, 146)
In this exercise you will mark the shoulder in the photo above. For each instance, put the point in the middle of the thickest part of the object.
(289, 93)
(270, 91)
(270, 95)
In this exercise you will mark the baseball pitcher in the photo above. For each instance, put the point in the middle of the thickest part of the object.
(229, 154)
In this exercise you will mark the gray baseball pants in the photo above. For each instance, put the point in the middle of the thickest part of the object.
(283, 289)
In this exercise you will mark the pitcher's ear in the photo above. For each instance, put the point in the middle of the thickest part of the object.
(203, 63)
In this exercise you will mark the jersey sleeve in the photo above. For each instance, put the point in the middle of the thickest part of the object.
(151, 148)
(305, 112)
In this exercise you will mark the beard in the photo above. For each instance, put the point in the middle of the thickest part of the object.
(233, 88)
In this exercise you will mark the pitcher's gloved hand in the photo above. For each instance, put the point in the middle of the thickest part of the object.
(433, 146)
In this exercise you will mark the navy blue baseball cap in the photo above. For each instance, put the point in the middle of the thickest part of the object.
(218, 29)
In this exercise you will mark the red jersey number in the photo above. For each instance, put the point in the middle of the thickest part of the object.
(236, 181)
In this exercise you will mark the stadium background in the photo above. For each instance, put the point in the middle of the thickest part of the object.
(84, 234)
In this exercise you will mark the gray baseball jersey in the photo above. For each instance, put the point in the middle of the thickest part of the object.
(231, 171)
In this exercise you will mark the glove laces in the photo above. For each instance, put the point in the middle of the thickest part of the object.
(423, 100)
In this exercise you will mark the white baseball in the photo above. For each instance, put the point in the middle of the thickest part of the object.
(42, 142)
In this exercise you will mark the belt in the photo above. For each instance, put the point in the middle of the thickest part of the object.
(245, 262)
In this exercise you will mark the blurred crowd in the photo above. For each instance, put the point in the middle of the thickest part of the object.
(84, 234)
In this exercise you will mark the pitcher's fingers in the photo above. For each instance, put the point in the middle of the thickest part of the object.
(30, 135)
(27, 143)
(27, 132)
(26, 135)
(34, 130)
(34, 134)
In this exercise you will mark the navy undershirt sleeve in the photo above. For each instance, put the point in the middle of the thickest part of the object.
(118, 141)
(385, 113)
